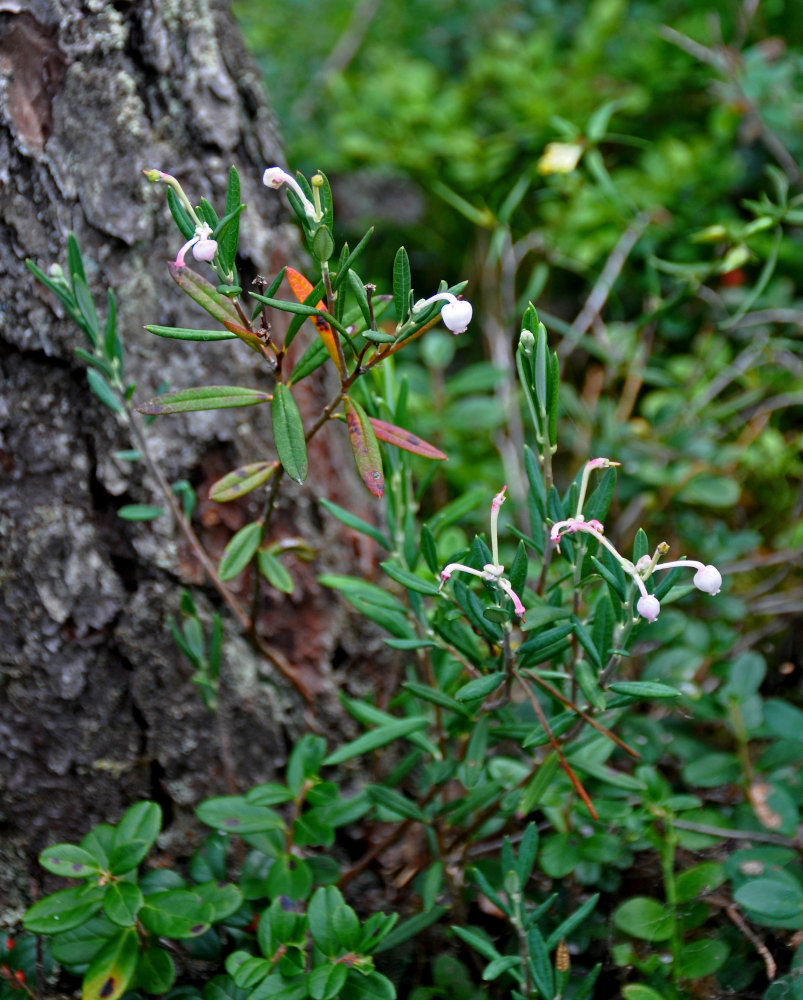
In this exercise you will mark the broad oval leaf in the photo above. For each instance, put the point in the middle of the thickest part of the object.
(204, 397)
(156, 972)
(63, 910)
(365, 447)
(240, 550)
(288, 434)
(177, 913)
(121, 903)
(233, 814)
(113, 967)
(238, 482)
(69, 860)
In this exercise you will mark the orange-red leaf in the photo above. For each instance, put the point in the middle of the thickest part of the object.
(301, 289)
(398, 436)
(365, 447)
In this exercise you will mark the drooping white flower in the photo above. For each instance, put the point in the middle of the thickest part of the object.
(648, 607)
(456, 314)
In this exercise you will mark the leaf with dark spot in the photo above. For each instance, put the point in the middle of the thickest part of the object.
(365, 447)
(398, 436)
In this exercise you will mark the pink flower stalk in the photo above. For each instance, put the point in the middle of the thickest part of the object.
(202, 247)
(492, 572)
(456, 314)
(574, 524)
(274, 177)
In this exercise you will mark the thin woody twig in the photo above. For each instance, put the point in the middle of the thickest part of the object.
(604, 283)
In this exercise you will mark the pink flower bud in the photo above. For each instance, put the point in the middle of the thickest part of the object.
(205, 250)
(708, 579)
(648, 607)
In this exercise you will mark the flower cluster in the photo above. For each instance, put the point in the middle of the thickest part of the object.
(707, 578)
(492, 572)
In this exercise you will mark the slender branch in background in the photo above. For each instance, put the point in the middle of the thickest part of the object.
(346, 48)
(727, 62)
(608, 276)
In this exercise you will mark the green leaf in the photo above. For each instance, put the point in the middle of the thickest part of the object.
(770, 900)
(698, 880)
(63, 910)
(240, 481)
(376, 738)
(409, 580)
(326, 982)
(411, 928)
(275, 572)
(230, 231)
(122, 902)
(206, 397)
(356, 523)
(240, 550)
(373, 986)
(156, 972)
(560, 854)
(480, 687)
(644, 689)
(395, 803)
(288, 434)
(644, 918)
(223, 897)
(289, 876)
(312, 358)
(181, 333)
(112, 969)
(365, 447)
(233, 814)
(104, 392)
(703, 957)
(69, 860)
(176, 913)
(215, 303)
(139, 512)
(180, 214)
(638, 991)
(401, 285)
(80, 945)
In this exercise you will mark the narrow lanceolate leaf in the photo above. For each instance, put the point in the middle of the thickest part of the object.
(365, 447)
(240, 550)
(240, 481)
(301, 289)
(180, 333)
(204, 397)
(398, 436)
(112, 968)
(376, 738)
(210, 299)
(401, 285)
(288, 434)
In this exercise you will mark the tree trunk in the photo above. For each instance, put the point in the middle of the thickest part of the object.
(97, 707)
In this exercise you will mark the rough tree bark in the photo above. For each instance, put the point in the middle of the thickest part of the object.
(96, 705)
